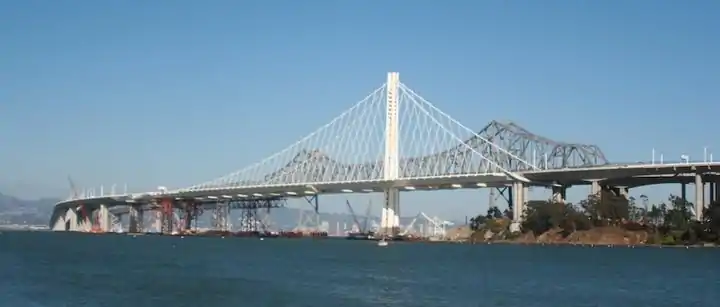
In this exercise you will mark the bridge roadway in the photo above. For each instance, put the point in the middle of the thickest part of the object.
(625, 175)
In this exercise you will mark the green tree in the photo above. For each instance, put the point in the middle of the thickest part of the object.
(678, 217)
(541, 216)
(655, 215)
(477, 222)
(711, 220)
(493, 213)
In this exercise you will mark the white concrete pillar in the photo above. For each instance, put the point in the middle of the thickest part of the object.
(519, 198)
(72, 218)
(134, 219)
(523, 201)
(699, 197)
(559, 194)
(390, 217)
(59, 224)
(104, 218)
(595, 188)
(85, 222)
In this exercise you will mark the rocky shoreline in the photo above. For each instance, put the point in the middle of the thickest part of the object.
(596, 237)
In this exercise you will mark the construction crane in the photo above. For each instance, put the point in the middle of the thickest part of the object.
(438, 225)
(352, 212)
(363, 234)
(410, 226)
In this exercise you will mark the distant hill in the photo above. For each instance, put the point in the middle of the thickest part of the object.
(21, 211)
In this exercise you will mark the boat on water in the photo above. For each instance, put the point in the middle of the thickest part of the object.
(382, 243)
(360, 236)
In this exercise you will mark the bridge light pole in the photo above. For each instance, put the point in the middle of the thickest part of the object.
(685, 158)
(653, 156)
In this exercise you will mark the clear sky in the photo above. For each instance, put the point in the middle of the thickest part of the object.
(177, 92)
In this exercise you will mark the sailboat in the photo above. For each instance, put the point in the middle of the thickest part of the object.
(382, 242)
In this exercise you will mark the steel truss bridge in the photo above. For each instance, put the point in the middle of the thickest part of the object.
(392, 139)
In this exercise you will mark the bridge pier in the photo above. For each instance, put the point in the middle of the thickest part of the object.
(166, 216)
(221, 216)
(390, 217)
(136, 219)
(518, 198)
(71, 220)
(84, 220)
(595, 188)
(559, 194)
(104, 218)
(190, 215)
(66, 221)
(699, 196)
(59, 224)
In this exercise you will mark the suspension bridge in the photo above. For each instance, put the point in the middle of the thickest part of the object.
(390, 141)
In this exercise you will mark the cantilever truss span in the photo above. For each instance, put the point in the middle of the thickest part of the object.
(350, 149)
(540, 151)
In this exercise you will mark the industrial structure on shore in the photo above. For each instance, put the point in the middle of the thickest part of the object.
(393, 140)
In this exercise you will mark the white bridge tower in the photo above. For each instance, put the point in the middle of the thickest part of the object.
(390, 218)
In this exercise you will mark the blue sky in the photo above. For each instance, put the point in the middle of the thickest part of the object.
(178, 92)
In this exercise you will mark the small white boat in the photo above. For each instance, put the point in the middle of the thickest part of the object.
(382, 243)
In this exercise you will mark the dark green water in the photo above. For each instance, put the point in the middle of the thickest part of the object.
(65, 269)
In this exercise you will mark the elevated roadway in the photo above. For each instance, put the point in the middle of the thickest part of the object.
(626, 175)
(621, 174)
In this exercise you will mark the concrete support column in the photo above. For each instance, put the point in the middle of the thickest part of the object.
(85, 223)
(104, 218)
(71, 220)
(595, 188)
(699, 197)
(59, 223)
(166, 212)
(559, 194)
(136, 219)
(390, 217)
(519, 199)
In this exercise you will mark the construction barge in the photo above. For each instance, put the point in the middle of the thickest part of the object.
(242, 234)
(371, 236)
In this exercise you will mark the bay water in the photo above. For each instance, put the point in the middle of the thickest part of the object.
(70, 269)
